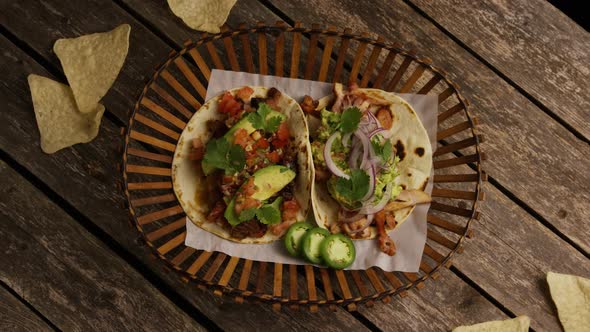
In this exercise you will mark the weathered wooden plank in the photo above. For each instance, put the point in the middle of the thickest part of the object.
(15, 316)
(70, 173)
(526, 41)
(253, 316)
(436, 307)
(68, 275)
(541, 143)
(54, 20)
(150, 9)
(510, 243)
(247, 11)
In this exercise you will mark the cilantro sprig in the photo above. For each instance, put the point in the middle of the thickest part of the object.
(268, 214)
(385, 150)
(222, 154)
(349, 122)
(260, 121)
(355, 188)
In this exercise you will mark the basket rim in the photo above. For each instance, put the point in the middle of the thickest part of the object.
(330, 31)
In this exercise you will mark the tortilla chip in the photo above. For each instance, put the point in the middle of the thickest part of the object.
(58, 119)
(202, 15)
(518, 324)
(92, 62)
(571, 295)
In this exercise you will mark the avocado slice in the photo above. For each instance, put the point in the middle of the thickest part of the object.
(269, 181)
(244, 123)
(230, 213)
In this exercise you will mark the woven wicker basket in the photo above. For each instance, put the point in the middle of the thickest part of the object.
(177, 89)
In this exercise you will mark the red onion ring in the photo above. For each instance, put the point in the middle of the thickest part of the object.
(328, 157)
(346, 139)
(371, 209)
(366, 144)
(348, 217)
(376, 131)
(372, 182)
(354, 155)
(374, 119)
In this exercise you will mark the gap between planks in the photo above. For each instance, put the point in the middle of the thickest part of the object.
(498, 72)
(129, 258)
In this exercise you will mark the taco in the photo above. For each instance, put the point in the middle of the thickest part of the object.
(372, 160)
(242, 167)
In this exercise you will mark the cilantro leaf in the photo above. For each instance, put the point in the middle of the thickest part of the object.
(270, 214)
(385, 150)
(350, 120)
(255, 120)
(356, 187)
(273, 124)
(260, 121)
(247, 214)
(222, 154)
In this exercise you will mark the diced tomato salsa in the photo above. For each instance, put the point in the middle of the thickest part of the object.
(262, 148)
(290, 209)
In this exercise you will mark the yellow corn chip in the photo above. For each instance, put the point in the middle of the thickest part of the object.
(518, 324)
(58, 119)
(202, 15)
(92, 62)
(571, 295)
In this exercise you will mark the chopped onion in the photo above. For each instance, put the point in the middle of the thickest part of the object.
(371, 209)
(328, 157)
(366, 144)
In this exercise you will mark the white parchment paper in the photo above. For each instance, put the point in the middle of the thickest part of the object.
(409, 237)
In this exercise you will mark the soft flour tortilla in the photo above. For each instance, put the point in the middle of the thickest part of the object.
(571, 295)
(189, 181)
(411, 141)
(60, 124)
(518, 324)
(202, 15)
(92, 62)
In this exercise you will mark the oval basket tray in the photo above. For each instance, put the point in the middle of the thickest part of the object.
(176, 90)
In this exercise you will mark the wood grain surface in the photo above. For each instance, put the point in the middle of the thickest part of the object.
(71, 172)
(529, 151)
(510, 255)
(98, 159)
(532, 43)
(69, 228)
(15, 316)
(69, 19)
(50, 171)
(74, 280)
(429, 309)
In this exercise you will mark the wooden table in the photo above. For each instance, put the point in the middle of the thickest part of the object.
(70, 260)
